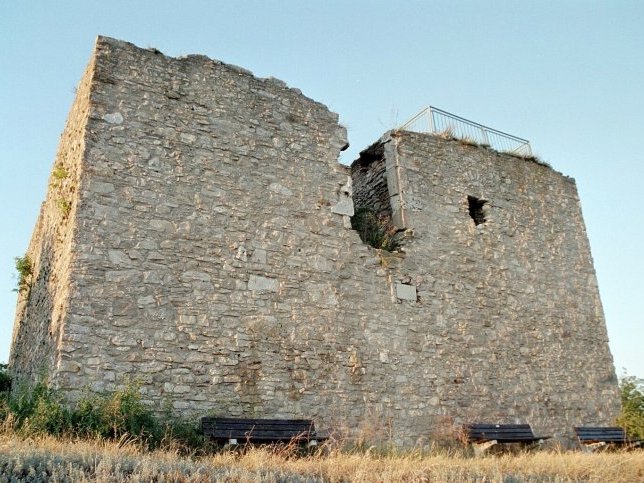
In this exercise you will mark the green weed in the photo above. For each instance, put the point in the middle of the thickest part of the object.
(118, 416)
(59, 172)
(632, 416)
(375, 231)
(25, 268)
(64, 207)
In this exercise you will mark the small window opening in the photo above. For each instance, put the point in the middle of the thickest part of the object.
(477, 213)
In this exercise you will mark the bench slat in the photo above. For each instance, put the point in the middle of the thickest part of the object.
(285, 427)
(259, 429)
(276, 422)
(269, 435)
(295, 431)
(241, 422)
(598, 434)
(503, 433)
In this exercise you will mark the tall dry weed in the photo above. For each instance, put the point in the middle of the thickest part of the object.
(49, 459)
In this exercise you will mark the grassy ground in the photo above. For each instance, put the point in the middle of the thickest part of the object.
(49, 459)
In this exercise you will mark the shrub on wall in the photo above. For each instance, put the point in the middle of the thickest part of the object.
(24, 267)
(373, 230)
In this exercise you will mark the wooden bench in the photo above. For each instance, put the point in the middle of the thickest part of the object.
(592, 438)
(484, 436)
(233, 431)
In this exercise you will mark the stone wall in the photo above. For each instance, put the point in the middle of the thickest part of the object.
(369, 177)
(509, 308)
(212, 258)
(41, 309)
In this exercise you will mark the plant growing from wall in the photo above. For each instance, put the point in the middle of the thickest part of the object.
(25, 268)
(64, 206)
(59, 172)
(374, 230)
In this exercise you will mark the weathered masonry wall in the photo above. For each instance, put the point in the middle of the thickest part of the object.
(209, 254)
(42, 308)
(370, 189)
(510, 307)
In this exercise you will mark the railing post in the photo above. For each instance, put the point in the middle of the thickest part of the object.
(430, 119)
(485, 137)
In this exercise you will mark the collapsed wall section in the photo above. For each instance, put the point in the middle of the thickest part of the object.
(369, 175)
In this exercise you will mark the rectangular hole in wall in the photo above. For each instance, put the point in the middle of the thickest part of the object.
(476, 209)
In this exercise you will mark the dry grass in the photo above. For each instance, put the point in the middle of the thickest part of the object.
(48, 459)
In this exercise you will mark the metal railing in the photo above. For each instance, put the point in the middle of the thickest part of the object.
(437, 121)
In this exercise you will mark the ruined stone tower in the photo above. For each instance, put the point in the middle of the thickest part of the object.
(197, 236)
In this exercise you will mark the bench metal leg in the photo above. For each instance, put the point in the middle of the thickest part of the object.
(481, 448)
(312, 443)
(592, 447)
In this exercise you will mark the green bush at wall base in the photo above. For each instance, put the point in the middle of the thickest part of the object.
(40, 410)
(632, 416)
(5, 379)
(5, 387)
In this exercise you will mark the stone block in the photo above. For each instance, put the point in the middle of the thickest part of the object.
(344, 206)
(258, 256)
(257, 283)
(405, 291)
(113, 118)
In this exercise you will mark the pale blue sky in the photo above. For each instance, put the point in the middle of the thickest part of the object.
(568, 75)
